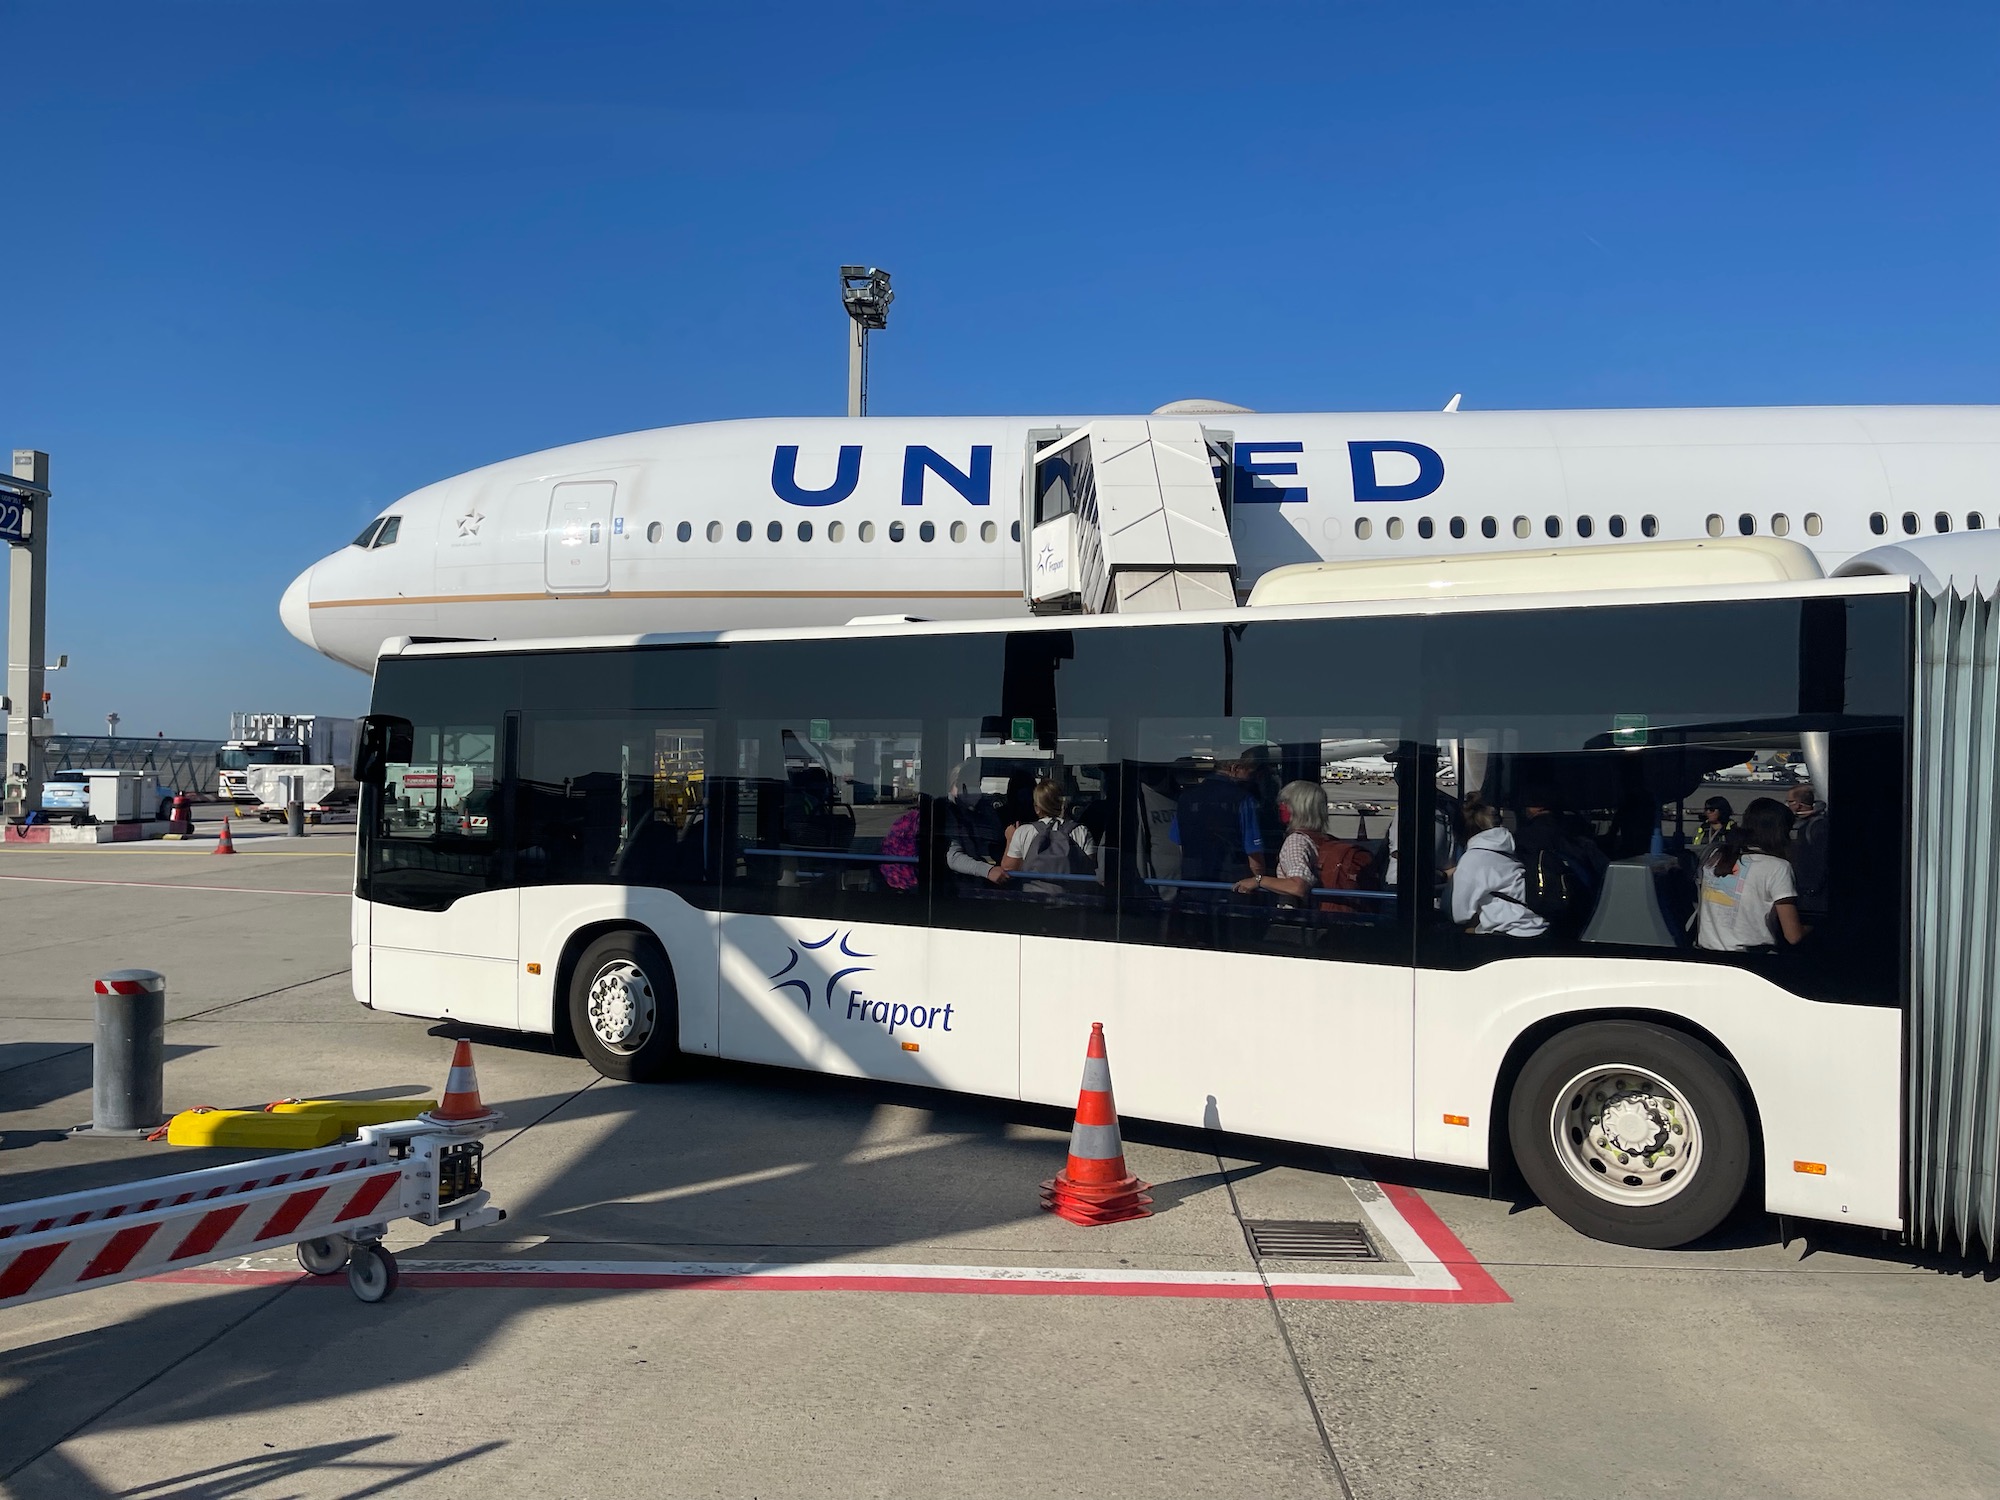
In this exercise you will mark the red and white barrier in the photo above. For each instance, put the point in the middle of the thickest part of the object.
(340, 1198)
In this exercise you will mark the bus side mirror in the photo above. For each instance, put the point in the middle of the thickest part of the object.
(384, 740)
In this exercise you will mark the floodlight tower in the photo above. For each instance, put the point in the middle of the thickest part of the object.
(865, 291)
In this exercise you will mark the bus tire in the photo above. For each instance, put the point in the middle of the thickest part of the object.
(623, 1009)
(1632, 1133)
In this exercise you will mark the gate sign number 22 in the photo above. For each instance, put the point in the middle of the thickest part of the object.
(16, 519)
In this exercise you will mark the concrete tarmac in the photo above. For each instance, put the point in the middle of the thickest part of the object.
(1837, 1365)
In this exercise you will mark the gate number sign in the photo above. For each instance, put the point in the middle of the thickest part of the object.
(16, 518)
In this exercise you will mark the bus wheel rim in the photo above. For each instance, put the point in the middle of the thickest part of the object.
(1626, 1135)
(622, 1006)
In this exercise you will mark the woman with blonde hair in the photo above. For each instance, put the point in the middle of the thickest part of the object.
(1302, 806)
(1051, 845)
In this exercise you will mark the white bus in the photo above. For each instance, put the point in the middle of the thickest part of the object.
(773, 846)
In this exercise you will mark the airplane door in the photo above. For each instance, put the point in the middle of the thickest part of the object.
(576, 548)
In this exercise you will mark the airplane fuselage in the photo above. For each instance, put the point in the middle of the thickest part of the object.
(801, 521)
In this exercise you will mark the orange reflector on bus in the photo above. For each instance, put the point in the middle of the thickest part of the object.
(1810, 1168)
(911, 1047)
(534, 968)
(1457, 1120)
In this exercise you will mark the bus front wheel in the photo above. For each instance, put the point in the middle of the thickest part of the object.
(622, 1008)
(1631, 1133)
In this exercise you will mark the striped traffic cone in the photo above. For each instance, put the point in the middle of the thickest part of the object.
(224, 845)
(1093, 1186)
(461, 1091)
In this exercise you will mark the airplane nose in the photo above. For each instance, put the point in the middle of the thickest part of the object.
(295, 609)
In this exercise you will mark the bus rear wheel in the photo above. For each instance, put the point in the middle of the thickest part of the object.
(1631, 1133)
(623, 1009)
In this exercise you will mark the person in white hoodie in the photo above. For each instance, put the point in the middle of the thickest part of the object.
(1489, 889)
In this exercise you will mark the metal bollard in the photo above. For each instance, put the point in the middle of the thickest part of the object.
(295, 808)
(128, 1063)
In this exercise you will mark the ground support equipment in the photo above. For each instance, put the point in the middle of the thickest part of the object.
(334, 1204)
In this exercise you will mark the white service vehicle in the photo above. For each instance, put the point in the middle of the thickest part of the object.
(326, 793)
(815, 521)
(286, 740)
(567, 878)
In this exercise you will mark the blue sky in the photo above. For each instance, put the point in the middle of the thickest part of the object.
(268, 266)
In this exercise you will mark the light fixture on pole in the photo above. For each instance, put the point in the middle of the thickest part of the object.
(865, 292)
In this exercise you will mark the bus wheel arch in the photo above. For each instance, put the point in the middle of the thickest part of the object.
(616, 1003)
(1681, 1067)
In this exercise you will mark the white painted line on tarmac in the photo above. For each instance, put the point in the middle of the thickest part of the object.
(1441, 1270)
(173, 885)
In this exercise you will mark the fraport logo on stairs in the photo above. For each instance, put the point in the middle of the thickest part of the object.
(852, 1004)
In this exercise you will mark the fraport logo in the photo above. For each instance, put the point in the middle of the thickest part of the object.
(853, 1004)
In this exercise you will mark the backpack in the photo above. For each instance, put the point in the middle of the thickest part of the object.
(901, 839)
(1055, 852)
(1561, 884)
(1344, 866)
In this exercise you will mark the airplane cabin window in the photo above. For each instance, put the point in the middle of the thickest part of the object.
(1715, 526)
(1458, 528)
(775, 531)
(386, 537)
(895, 531)
(958, 531)
(835, 530)
(1649, 525)
(988, 532)
(1425, 529)
(1910, 523)
(1584, 526)
(742, 531)
(1553, 526)
(805, 531)
(1489, 528)
(1878, 523)
(715, 531)
(1813, 523)
(865, 532)
(1364, 529)
(1747, 525)
(367, 533)
(1974, 521)
(1523, 527)
(1781, 525)
(1395, 528)
(683, 532)
(1942, 521)
(927, 532)
(654, 531)
(1616, 525)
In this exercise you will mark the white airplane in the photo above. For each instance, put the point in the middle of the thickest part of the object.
(800, 521)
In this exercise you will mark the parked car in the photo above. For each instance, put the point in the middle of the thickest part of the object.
(69, 792)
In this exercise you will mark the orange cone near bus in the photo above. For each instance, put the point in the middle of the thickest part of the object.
(1094, 1186)
(461, 1090)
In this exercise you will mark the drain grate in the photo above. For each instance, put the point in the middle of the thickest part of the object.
(1309, 1239)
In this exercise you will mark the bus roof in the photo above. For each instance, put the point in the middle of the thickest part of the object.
(1457, 603)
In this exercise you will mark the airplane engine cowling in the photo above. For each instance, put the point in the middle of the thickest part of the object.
(1966, 560)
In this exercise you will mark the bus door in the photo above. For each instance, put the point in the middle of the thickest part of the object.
(443, 924)
(1229, 1000)
(826, 962)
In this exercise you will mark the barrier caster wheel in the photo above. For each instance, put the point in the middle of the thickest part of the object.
(323, 1257)
(371, 1273)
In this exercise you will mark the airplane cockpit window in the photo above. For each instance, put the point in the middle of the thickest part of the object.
(387, 535)
(367, 533)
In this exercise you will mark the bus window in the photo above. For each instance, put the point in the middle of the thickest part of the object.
(615, 797)
(1258, 834)
(824, 817)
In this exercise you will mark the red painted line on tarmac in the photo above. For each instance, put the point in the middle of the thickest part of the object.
(170, 885)
(1475, 1282)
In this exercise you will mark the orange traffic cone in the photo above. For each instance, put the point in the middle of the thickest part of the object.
(1094, 1187)
(225, 844)
(461, 1090)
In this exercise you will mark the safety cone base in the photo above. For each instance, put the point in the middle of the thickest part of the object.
(1097, 1205)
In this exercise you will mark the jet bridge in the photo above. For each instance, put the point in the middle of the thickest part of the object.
(1126, 515)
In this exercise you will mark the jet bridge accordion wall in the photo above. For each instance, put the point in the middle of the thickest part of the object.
(1954, 1079)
